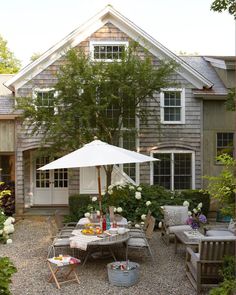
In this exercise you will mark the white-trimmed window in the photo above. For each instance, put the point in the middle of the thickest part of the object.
(175, 170)
(224, 143)
(129, 142)
(107, 50)
(172, 102)
(44, 98)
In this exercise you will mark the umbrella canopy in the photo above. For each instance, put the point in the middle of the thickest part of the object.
(97, 153)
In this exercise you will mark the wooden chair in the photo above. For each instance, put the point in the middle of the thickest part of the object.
(139, 240)
(202, 268)
(142, 231)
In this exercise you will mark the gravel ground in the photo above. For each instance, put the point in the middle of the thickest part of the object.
(29, 249)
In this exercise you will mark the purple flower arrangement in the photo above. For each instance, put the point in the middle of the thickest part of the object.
(195, 218)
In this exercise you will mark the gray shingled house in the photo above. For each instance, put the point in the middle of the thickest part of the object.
(194, 122)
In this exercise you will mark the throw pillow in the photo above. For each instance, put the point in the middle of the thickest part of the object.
(175, 215)
(232, 225)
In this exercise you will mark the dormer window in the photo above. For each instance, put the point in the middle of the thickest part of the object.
(107, 50)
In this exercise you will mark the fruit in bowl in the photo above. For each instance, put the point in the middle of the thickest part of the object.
(98, 230)
(88, 231)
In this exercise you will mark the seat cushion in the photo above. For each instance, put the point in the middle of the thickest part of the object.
(61, 242)
(176, 228)
(232, 225)
(219, 233)
(175, 215)
(136, 242)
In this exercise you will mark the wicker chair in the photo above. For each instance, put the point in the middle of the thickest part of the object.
(202, 268)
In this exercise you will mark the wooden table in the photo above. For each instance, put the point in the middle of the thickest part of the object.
(181, 237)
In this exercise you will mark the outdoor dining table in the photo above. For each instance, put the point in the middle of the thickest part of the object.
(87, 242)
(121, 222)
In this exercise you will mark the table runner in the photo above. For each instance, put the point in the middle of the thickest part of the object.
(80, 240)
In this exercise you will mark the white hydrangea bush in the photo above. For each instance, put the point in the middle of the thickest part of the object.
(6, 227)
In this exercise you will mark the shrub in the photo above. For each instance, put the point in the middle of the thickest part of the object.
(7, 197)
(7, 269)
(152, 198)
(78, 205)
(228, 287)
(223, 186)
(194, 197)
(124, 196)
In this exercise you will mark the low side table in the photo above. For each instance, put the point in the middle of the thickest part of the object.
(187, 239)
(56, 264)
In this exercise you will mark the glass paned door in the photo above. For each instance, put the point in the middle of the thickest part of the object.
(51, 186)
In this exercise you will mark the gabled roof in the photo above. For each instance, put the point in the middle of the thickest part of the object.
(108, 14)
(203, 66)
(3, 90)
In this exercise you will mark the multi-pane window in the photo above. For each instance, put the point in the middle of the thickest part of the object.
(107, 51)
(44, 100)
(172, 106)
(129, 143)
(111, 113)
(129, 117)
(45, 178)
(225, 143)
(60, 178)
(42, 176)
(174, 171)
(7, 171)
(112, 52)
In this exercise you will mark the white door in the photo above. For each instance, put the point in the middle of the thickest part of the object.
(50, 186)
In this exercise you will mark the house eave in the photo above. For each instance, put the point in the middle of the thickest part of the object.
(210, 96)
(86, 29)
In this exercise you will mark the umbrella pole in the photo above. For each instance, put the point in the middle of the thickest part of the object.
(99, 190)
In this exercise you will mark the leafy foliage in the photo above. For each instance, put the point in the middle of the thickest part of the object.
(86, 90)
(8, 63)
(7, 269)
(124, 196)
(222, 5)
(7, 197)
(2, 220)
(230, 102)
(223, 186)
(35, 56)
(228, 287)
(78, 205)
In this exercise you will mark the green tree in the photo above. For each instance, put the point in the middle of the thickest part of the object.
(35, 56)
(96, 98)
(8, 63)
(222, 5)
(223, 186)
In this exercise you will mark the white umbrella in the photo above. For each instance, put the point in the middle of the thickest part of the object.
(97, 153)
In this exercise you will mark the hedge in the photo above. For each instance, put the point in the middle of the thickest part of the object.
(133, 208)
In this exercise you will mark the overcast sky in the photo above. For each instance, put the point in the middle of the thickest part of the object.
(189, 26)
